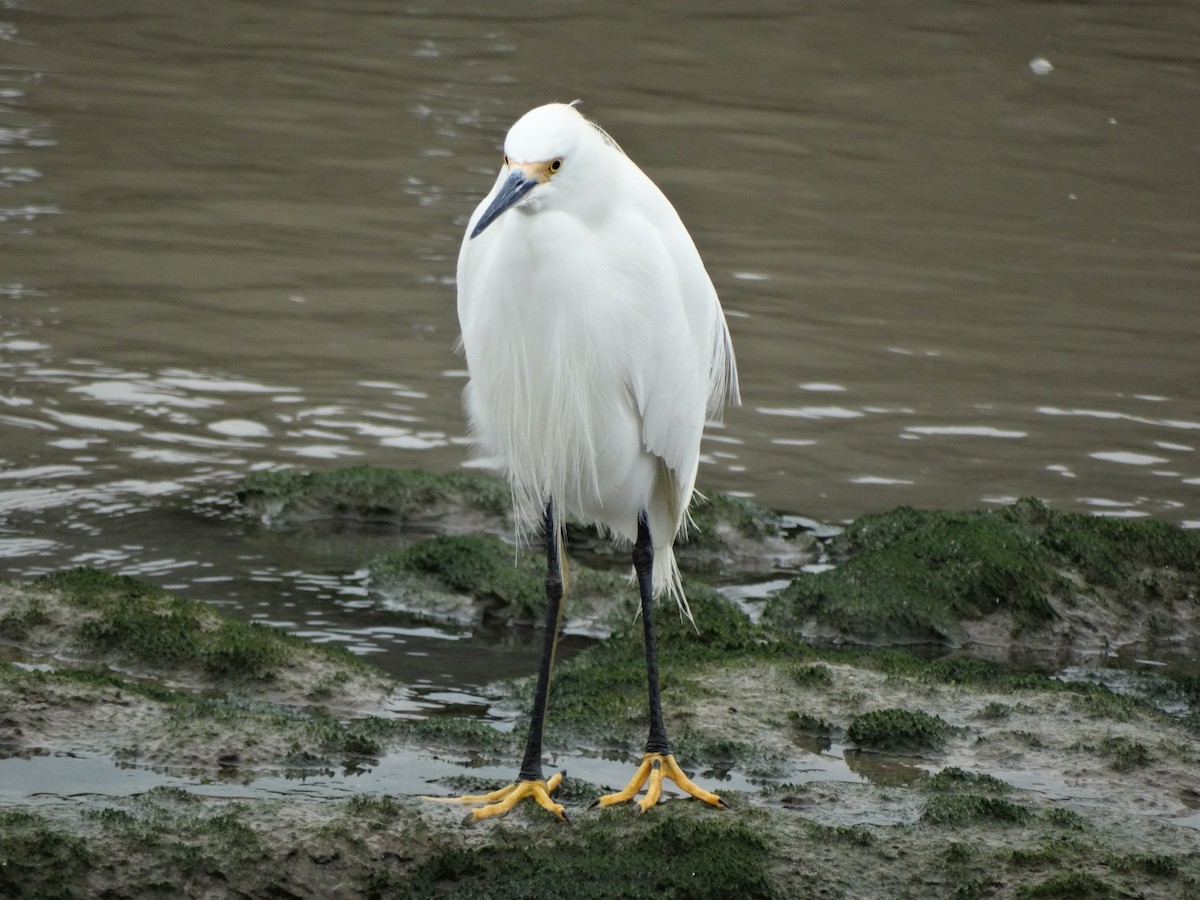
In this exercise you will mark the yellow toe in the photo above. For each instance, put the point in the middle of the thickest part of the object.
(631, 789)
(500, 802)
(654, 768)
(654, 788)
(687, 785)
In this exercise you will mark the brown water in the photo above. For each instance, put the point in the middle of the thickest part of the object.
(228, 232)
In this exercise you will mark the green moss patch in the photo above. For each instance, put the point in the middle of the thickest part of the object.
(1126, 753)
(482, 579)
(108, 623)
(729, 538)
(1070, 886)
(38, 859)
(736, 535)
(732, 535)
(18, 622)
(370, 493)
(973, 809)
(954, 779)
(484, 574)
(898, 731)
(672, 855)
(913, 575)
(144, 624)
(809, 725)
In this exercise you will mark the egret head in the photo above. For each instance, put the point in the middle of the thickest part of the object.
(543, 156)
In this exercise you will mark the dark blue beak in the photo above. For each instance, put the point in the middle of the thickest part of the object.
(514, 188)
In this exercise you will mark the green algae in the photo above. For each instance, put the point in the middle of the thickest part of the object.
(482, 568)
(144, 624)
(369, 493)
(163, 638)
(1073, 860)
(94, 588)
(898, 731)
(1158, 865)
(115, 619)
(1054, 866)
(1126, 754)
(382, 846)
(671, 855)
(371, 736)
(375, 846)
(481, 579)
(995, 711)
(729, 533)
(718, 512)
(966, 809)
(185, 845)
(1069, 886)
(811, 676)
(97, 680)
(40, 860)
(453, 731)
(19, 622)
(1064, 819)
(378, 812)
(809, 725)
(953, 779)
(1093, 699)
(913, 575)
(850, 835)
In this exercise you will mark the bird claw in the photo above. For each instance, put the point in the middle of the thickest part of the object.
(653, 769)
(500, 802)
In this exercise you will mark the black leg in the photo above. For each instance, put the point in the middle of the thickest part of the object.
(658, 763)
(643, 565)
(531, 766)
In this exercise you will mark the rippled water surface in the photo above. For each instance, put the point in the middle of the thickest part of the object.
(959, 246)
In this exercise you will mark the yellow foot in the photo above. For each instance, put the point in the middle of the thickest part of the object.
(497, 803)
(656, 766)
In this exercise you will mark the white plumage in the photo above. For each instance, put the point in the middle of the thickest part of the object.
(594, 338)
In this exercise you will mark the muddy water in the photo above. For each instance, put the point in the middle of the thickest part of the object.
(958, 246)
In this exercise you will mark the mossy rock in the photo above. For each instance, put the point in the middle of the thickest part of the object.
(1069, 886)
(144, 624)
(676, 855)
(459, 502)
(955, 780)
(731, 535)
(474, 580)
(727, 537)
(939, 577)
(39, 859)
(117, 622)
(898, 731)
(810, 725)
(974, 809)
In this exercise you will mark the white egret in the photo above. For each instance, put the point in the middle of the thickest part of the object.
(596, 348)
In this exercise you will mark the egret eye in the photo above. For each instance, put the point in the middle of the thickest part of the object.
(556, 165)
(506, 160)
